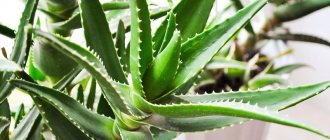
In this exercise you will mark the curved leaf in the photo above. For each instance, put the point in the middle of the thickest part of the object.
(272, 99)
(23, 41)
(26, 128)
(198, 51)
(287, 68)
(225, 108)
(53, 102)
(9, 66)
(99, 38)
(140, 44)
(263, 80)
(91, 64)
(141, 133)
(7, 31)
(163, 69)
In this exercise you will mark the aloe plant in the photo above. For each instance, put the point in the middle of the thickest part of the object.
(143, 86)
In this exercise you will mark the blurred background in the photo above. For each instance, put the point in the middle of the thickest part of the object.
(315, 111)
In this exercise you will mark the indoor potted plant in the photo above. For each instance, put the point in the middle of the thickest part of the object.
(140, 84)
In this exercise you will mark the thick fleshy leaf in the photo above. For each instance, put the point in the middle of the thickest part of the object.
(272, 99)
(4, 120)
(91, 64)
(171, 26)
(74, 22)
(224, 108)
(99, 38)
(140, 44)
(275, 99)
(299, 37)
(4, 127)
(9, 66)
(34, 72)
(298, 9)
(163, 69)
(141, 133)
(7, 31)
(198, 51)
(19, 115)
(52, 101)
(158, 134)
(192, 16)
(121, 46)
(287, 68)
(27, 127)
(80, 94)
(223, 63)
(91, 96)
(23, 41)
(265, 80)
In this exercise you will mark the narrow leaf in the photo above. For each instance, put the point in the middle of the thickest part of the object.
(91, 64)
(19, 115)
(163, 69)
(97, 126)
(272, 99)
(198, 51)
(7, 31)
(263, 80)
(140, 44)
(23, 41)
(28, 125)
(9, 66)
(91, 95)
(227, 108)
(287, 68)
(99, 38)
(80, 94)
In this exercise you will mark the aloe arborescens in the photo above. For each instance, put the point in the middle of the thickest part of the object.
(146, 83)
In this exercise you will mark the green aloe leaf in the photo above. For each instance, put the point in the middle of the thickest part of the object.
(19, 115)
(74, 22)
(275, 99)
(287, 68)
(198, 51)
(9, 66)
(4, 120)
(299, 37)
(159, 134)
(4, 126)
(91, 64)
(223, 63)
(265, 80)
(163, 69)
(191, 17)
(120, 44)
(28, 126)
(23, 41)
(272, 99)
(298, 9)
(171, 26)
(7, 31)
(80, 94)
(53, 102)
(34, 72)
(141, 133)
(140, 44)
(99, 38)
(225, 108)
(91, 95)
